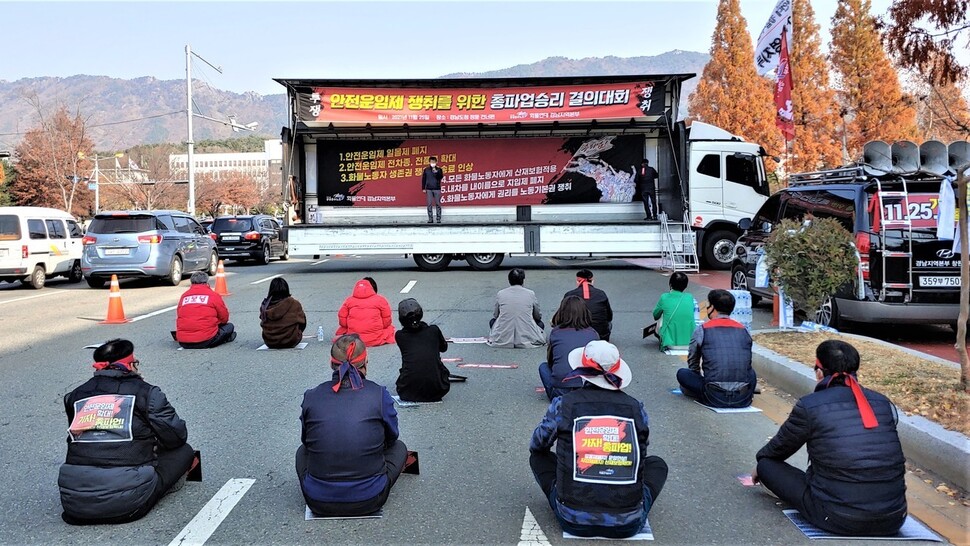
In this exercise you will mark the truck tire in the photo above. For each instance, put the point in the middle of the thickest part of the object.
(739, 281)
(432, 262)
(719, 249)
(484, 262)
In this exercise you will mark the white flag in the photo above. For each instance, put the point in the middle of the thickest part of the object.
(768, 51)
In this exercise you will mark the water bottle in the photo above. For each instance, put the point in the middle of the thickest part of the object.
(320, 335)
(697, 312)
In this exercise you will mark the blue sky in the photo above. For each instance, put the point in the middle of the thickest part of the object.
(256, 41)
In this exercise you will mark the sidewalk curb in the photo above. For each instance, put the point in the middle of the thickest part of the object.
(927, 444)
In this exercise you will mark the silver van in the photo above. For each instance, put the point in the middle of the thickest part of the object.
(163, 244)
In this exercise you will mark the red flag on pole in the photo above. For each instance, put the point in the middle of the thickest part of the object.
(784, 117)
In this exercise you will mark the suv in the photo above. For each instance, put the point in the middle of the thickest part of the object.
(254, 237)
(907, 274)
(162, 243)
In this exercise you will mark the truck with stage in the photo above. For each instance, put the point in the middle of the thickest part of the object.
(532, 167)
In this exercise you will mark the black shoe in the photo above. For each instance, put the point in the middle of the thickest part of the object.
(430, 221)
(232, 337)
(439, 220)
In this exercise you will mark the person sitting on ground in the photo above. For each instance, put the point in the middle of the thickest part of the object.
(202, 317)
(367, 314)
(571, 329)
(675, 313)
(281, 317)
(350, 455)
(517, 320)
(118, 467)
(590, 495)
(855, 483)
(720, 373)
(597, 302)
(423, 377)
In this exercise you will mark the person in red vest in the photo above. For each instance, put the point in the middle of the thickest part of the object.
(367, 314)
(203, 318)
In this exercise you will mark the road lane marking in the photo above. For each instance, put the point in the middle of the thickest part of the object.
(532, 534)
(266, 279)
(321, 261)
(51, 293)
(213, 513)
(407, 288)
(155, 313)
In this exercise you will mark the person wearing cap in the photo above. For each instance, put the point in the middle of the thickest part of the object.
(719, 372)
(517, 320)
(600, 482)
(675, 312)
(202, 318)
(367, 314)
(855, 482)
(126, 445)
(281, 317)
(571, 329)
(350, 455)
(596, 301)
(423, 377)
(431, 186)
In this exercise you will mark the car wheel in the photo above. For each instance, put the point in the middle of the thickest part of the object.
(484, 262)
(432, 262)
(719, 249)
(828, 314)
(213, 265)
(265, 257)
(96, 282)
(739, 281)
(175, 272)
(37, 278)
(76, 275)
(286, 252)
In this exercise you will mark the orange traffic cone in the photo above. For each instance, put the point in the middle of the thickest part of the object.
(221, 287)
(116, 311)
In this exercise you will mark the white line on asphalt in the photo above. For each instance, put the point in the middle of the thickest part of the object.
(407, 288)
(321, 261)
(155, 313)
(210, 517)
(266, 279)
(41, 295)
(532, 534)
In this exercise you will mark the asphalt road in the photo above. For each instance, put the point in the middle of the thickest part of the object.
(242, 408)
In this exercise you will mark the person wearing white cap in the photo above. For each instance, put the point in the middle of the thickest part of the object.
(600, 481)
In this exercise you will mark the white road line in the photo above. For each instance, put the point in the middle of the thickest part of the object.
(532, 534)
(41, 295)
(155, 313)
(266, 279)
(210, 517)
(407, 288)
(321, 261)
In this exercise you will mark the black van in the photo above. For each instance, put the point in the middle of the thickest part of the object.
(908, 275)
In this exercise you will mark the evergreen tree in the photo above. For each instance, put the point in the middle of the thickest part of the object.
(867, 81)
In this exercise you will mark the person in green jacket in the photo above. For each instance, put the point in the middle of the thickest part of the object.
(675, 311)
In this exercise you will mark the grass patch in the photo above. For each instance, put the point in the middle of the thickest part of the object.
(917, 386)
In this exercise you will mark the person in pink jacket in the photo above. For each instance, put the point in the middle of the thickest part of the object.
(367, 314)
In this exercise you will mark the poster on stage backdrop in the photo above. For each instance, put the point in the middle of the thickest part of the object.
(605, 450)
(532, 104)
(104, 418)
(480, 172)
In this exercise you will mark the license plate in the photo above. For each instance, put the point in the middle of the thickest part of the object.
(116, 252)
(939, 281)
(231, 238)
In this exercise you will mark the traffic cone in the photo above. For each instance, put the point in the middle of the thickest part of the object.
(221, 287)
(116, 311)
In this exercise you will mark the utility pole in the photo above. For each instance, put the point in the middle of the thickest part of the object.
(188, 117)
(97, 186)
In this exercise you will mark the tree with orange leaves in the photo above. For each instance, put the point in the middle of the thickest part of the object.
(868, 84)
(229, 188)
(731, 94)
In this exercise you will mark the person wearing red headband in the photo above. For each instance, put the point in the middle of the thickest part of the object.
(126, 445)
(350, 455)
(855, 483)
(600, 482)
(596, 301)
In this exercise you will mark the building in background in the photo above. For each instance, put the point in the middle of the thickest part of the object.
(264, 167)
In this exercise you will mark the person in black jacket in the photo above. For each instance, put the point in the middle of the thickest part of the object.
(854, 484)
(423, 377)
(596, 301)
(431, 186)
(646, 182)
(126, 445)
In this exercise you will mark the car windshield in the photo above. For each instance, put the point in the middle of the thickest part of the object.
(232, 224)
(123, 224)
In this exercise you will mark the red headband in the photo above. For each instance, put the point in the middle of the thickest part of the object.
(865, 410)
(348, 368)
(585, 284)
(125, 363)
(591, 368)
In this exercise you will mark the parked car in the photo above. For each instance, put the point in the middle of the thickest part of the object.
(207, 223)
(255, 237)
(162, 244)
(37, 243)
(907, 274)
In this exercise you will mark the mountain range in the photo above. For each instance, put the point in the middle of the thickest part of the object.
(157, 106)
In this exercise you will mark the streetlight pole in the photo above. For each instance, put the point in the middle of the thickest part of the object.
(188, 117)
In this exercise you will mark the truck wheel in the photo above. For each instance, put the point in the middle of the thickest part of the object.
(76, 275)
(719, 249)
(484, 262)
(828, 314)
(432, 262)
(96, 282)
(739, 281)
(37, 277)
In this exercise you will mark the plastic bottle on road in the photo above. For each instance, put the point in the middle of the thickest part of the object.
(697, 313)
(320, 335)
